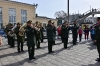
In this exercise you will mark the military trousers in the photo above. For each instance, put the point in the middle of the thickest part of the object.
(74, 39)
(65, 42)
(50, 43)
(12, 42)
(20, 46)
(38, 42)
(31, 50)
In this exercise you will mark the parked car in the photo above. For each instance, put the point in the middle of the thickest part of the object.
(2, 33)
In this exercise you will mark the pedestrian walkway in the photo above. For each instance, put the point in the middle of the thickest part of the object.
(83, 54)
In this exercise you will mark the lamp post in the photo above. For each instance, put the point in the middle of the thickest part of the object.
(68, 9)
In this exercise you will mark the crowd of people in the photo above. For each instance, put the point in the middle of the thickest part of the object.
(34, 34)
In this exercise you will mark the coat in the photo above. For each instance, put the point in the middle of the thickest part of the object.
(97, 35)
(65, 31)
(50, 33)
(19, 38)
(30, 34)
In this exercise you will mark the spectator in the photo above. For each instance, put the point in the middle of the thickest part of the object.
(59, 31)
(86, 32)
(92, 33)
(80, 33)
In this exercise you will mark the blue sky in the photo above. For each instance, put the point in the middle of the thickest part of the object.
(49, 7)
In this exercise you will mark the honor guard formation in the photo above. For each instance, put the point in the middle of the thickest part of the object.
(33, 34)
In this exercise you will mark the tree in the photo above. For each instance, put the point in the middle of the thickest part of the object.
(60, 14)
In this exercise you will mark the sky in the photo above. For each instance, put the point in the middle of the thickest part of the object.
(49, 7)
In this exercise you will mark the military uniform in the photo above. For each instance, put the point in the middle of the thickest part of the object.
(75, 33)
(38, 37)
(20, 39)
(30, 41)
(64, 31)
(97, 38)
(50, 37)
(62, 34)
(41, 30)
(10, 38)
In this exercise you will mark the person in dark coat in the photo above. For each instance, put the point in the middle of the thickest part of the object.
(75, 33)
(97, 38)
(30, 34)
(50, 36)
(61, 34)
(86, 32)
(65, 30)
(41, 30)
(20, 39)
(54, 28)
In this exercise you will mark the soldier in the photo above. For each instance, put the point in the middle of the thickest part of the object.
(20, 39)
(50, 36)
(97, 38)
(54, 32)
(6, 31)
(30, 40)
(64, 31)
(38, 35)
(41, 30)
(10, 35)
(75, 33)
(61, 34)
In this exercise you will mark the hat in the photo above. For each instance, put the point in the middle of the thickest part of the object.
(18, 23)
(29, 21)
(53, 22)
(98, 18)
(49, 21)
(10, 24)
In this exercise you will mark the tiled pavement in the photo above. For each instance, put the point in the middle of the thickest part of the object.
(83, 54)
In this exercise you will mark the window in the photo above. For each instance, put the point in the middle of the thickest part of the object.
(12, 15)
(23, 16)
(1, 22)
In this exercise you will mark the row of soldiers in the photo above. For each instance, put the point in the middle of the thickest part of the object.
(34, 36)
(33, 33)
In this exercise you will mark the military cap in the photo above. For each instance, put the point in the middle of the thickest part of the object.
(10, 24)
(18, 23)
(98, 18)
(30, 21)
(49, 21)
(53, 22)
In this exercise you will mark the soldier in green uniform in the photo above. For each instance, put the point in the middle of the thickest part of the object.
(20, 39)
(41, 30)
(10, 35)
(97, 38)
(50, 36)
(30, 34)
(38, 34)
(75, 32)
(54, 28)
(64, 31)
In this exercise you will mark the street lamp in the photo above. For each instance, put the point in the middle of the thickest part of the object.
(68, 9)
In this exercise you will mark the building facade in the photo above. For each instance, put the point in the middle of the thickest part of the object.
(13, 12)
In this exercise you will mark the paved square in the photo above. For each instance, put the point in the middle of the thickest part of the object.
(83, 54)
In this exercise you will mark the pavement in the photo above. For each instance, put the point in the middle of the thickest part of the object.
(83, 54)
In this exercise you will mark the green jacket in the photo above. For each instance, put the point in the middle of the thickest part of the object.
(50, 33)
(19, 38)
(97, 33)
(65, 31)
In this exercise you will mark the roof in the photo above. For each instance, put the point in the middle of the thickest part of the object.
(43, 17)
(18, 2)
